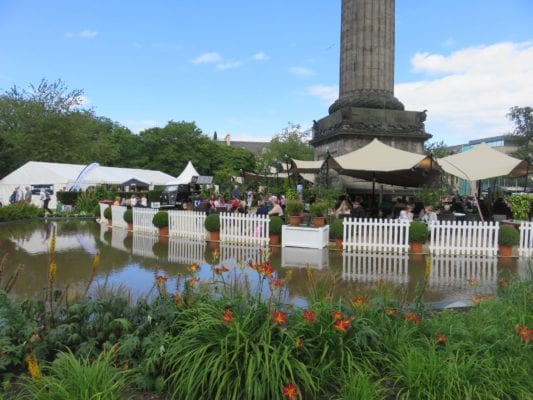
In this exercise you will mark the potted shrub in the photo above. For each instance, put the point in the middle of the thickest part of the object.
(212, 224)
(108, 215)
(128, 217)
(160, 220)
(418, 235)
(294, 209)
(520, 205)
(336, 232)
(274, 229)
(508, 236)
(319, 211)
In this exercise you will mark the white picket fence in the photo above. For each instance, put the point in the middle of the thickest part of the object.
(362, 267)
(463, 272)
(525, 248)
(142, 220)
(464, 238)
(245, 229)
(117, 215)
(375, 235)
(186, 251)
(187, 224)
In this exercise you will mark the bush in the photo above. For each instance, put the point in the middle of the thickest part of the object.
(107, 213)
(336, 229)
(319, 208)
(520, 205)
(275, 224)
(96, 211)
(19, 210)
(67, 198)
(418, 232)
(294, 207)
(160, 219)
(212, 223)
(128, 216)
(508, 236)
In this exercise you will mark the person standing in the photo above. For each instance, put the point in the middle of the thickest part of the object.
(45, 198)
(27, 195)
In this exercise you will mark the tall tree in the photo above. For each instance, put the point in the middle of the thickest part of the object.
(522, 117)
(292, 142)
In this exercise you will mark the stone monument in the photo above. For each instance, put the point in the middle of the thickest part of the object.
(366, 107)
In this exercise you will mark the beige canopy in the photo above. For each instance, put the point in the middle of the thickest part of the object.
(310, 167)
(483, 162)
(386, 164)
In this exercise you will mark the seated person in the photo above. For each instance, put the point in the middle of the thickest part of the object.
(429, 216)
(262, 208)
(276, 208)
(343, 210)
(357, 210)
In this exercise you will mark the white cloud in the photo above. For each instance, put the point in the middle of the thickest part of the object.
(301, 71)
(138, 126)
(260, 56)
(207, 58)
(327, 93)
(469, 92)
(84, 34)
(229, 65)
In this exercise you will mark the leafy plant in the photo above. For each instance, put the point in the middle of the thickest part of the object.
(160, 219)
(212, 223)
(294, 207)
(418, 232)
(520, 206)
(108, 213)
(319, 208)
(508, 236)
(275, 224)
(128, 216)
(336, 229)
(19, 210)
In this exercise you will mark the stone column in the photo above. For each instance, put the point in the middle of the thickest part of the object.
(367, 55)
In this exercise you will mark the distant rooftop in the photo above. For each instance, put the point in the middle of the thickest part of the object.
(253, 147)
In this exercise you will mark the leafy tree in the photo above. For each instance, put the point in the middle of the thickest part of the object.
(522, 134)
(436, 149)
(291, 141)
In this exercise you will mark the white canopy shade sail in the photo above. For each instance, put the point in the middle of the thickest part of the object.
(186, 175)
(385, 164)
(483, 162)
(309, 167)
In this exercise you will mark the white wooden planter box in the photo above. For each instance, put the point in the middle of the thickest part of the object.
(299, 236)
(298, 257)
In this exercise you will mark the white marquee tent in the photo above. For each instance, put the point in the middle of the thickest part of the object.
(36, 175)
(186, 175)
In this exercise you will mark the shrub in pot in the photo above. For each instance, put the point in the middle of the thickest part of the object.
(128, 218)
(520, 206)
(418, 235)
(108, 215)
(508, 236)
(319, 211)
(212, 224)
(294, 208)
(160, 221)
(274, 229)
(336, 232)
(96, 211)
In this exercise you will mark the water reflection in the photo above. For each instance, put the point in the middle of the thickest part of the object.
(365, 267)
(295, 257)
(186, 251)
(143, 245)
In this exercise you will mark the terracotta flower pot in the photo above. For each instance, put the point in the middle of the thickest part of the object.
(505, 251)
(214, 236)
(295, 220)
(319, 221)
(130, 227)
(416, 247)
(110, 222)
(338, 243)
(274, 238)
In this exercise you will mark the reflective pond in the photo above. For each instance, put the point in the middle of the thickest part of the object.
(132, 261)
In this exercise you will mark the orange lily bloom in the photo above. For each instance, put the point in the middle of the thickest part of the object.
(279, 317)
(342, 324)
(227, 317)
(178, 299)
(441, 338)
(159, 279)
(193, 281)
(309, 316)
(290, 391)
(193, 268)
(391, 311)
(359, 302)
(299, 342)
(413, 317)
(337, 314)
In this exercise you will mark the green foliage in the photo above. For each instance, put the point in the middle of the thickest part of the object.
(70, 377)
(107, 213)
(336, 229)
(522, 135)
(294, 207)
(508, 236)
(19, 210)
(212, 223)
(418, 232)
(86, 201)
(275, 224)
(520, 205)
(160, 219)
(319, 208)
(67, 198)
(96, 211)
(153, 195)
(128, 216)
(291, 142)
(436, 149)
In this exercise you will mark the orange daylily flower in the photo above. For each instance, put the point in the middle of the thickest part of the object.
(526, 334)
(441, 338)
(290, 391)
(277, 283)
(227, 317)
(267, 270)
(473, 282)
(221, 270)
(413, 317)
(342, 324)
(279, 317)
(299, 342)
(337, 315)
(479, 298)
(178, 299)
(160, 279)
(359, 302)
(309, 316)
(391, 311)
(193, 281)
(193, 268)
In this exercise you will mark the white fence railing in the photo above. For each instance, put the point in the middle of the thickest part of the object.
(186, 251)
(462, 272)
(187, 224)
(362, 267)
(142, 220)
(245, 229)
(464, 238)
(525, 248)
(376, 235)
(117, 214)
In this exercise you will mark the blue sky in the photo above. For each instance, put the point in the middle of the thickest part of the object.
(249, 67)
